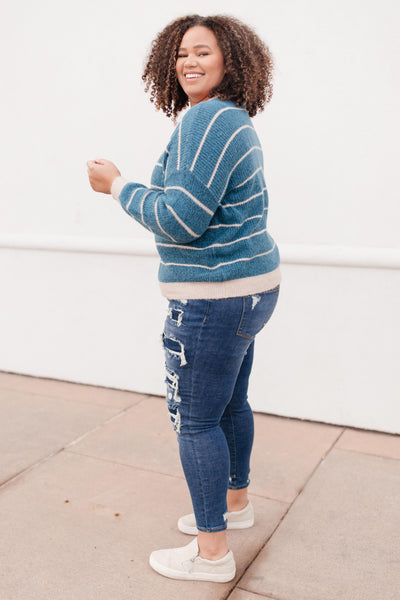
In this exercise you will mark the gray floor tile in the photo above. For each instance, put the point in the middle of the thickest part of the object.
(143, 437)
(80, 527)
(239, 594)
(340, 539)
(73, 392)
(370, 442)
(34, 426)
(286, 451)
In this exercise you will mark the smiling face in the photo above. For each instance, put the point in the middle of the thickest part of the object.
(200, 64)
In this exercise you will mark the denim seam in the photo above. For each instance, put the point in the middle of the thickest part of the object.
(247, 337)
(234, 441)
(191, 405)
(242, 317)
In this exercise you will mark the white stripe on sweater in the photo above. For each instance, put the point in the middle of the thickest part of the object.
(211, 123)
(178, 162)
(158, 222)
(133, 195)
(242, 239)
(244, 201)
(248, 179)
(195, 200)
(225, 149)
(237, 164)
(222, 264)
(167, 152)
(181, 223)
(141, 207)
(236, 224)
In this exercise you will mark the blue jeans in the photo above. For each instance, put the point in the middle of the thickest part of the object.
(209, 346)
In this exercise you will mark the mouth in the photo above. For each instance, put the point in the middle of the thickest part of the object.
(192, 76)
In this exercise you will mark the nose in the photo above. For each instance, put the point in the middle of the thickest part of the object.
(191, 60)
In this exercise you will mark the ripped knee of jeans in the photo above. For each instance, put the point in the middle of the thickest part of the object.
(173, 399)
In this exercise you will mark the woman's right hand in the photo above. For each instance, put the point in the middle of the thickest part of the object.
(102, 173)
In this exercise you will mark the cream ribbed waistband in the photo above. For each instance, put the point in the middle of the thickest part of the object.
(200, 290)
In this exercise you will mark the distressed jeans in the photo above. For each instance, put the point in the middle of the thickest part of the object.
(209, 346)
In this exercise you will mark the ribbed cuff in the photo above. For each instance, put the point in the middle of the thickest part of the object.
(117, 185)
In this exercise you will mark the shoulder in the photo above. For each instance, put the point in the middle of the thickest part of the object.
(215, 112)
(210, 131)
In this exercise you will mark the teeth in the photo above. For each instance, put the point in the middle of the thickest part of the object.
(192, 75)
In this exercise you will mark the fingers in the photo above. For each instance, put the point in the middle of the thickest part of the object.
(97, 161)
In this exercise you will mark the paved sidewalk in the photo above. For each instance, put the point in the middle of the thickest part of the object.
(90, 484)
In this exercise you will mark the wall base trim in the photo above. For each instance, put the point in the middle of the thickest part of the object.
(298, 254)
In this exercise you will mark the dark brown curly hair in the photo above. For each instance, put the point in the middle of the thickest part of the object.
(248, 63)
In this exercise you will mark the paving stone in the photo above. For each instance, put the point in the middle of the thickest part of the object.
(81, 527)
(82, 523)
(369, 442)
(73, 392)
(239, 594)
(340, 539)
(33, 427)
(143, 437)
(286, 451)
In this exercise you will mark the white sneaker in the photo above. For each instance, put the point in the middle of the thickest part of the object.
(185, 563)
(238, 519)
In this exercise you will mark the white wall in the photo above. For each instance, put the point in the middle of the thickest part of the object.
(72, 91)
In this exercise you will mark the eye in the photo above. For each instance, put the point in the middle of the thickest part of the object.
(204, 54)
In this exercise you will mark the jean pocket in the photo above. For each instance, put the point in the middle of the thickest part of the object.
(257, 310)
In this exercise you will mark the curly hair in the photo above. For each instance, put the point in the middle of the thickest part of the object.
(248, 63)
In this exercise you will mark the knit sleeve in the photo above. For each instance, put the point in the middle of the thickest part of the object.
(181, 212)
(200, 158)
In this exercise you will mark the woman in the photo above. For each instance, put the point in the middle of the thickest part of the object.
(207, 206)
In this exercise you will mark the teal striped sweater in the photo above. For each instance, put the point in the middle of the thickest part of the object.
(207, 204)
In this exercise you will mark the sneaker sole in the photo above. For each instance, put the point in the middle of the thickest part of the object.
(172, 574)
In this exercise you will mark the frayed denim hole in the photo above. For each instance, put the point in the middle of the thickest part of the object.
(175, 349)
(172, 345)
(176, 316)
(173, 399)
(172, 381)
(174, 415)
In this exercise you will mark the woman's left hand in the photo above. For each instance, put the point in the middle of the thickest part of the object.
(102, 173)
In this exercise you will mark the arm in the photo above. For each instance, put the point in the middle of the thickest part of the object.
(197, 174)
(181, 212)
